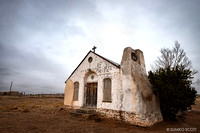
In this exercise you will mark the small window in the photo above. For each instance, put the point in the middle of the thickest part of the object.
(90, 59)
(133, 56)
(76, 91)
(107, 90)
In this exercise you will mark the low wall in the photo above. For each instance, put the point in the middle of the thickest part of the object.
(144, 120)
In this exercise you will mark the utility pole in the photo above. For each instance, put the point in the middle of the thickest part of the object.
(11, 85)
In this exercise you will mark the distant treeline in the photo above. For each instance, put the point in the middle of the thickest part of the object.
(16, 93)
(58, 95)
(12, 93)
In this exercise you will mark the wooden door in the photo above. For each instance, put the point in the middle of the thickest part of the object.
(91, 95)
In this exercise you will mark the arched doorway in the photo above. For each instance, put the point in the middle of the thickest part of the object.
(91, 85)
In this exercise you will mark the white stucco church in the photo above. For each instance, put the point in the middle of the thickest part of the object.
(120, 91)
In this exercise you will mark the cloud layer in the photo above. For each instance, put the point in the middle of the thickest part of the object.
(41, 42)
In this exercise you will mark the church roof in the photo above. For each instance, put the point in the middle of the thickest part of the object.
(112, 62)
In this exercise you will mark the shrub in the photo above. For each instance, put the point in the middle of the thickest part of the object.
(173, 87)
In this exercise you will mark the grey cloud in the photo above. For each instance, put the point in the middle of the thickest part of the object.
(29, 69)
(5, 71)
(24, 19)
(31, 34)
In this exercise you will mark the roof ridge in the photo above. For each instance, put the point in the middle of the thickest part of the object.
(112, 62)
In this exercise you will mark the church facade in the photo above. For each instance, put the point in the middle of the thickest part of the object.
(120, 91)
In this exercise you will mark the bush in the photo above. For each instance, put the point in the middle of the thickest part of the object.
(173, 87)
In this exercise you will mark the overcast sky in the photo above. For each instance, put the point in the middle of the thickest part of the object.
(43, 41)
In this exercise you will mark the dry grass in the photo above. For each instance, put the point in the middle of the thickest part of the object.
(36, 115)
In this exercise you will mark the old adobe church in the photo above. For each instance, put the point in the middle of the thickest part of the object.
(116, 91)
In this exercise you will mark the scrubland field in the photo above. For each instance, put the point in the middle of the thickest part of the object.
(38, 115)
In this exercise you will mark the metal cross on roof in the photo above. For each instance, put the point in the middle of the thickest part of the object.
(94, 48)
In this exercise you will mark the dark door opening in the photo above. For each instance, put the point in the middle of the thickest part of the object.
(91, 95)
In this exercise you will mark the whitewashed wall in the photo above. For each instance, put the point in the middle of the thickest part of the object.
(103, 69)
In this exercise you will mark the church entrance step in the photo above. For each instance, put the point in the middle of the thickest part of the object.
(83, 115)
(86, 110)
(86, 113)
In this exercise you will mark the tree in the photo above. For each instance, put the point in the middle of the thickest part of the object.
(172, 81)
(173, 86)
(172, 58)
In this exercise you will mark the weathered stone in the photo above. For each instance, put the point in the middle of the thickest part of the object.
(132, 118)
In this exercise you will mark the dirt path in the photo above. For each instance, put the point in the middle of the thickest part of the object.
(36, 115)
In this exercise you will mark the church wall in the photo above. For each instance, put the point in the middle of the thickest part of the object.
(138, 99)
(69, 93)
(115, 78)
(102, 69)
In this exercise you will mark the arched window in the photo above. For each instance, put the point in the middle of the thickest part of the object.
(107, 90)
(76, 91)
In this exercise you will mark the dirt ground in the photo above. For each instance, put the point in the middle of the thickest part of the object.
(36, 115)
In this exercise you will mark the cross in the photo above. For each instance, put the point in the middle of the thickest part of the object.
(94, 49)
